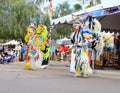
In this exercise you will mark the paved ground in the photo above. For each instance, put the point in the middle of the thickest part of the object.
(56, 79)
(52, 68)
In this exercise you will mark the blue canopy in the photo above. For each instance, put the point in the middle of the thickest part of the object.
(102, 12)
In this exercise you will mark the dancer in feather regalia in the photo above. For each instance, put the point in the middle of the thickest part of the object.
(38, 47)
(84, 38)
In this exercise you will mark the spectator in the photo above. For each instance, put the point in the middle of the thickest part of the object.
(60, 50)
(118, 51)
(1, 48)
(6, 57)
(18, 52)
(52, 52)
(1, 59)
(22, 53)
(65, 49)
(12, 54)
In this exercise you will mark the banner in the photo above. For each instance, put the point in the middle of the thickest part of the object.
(102, 12)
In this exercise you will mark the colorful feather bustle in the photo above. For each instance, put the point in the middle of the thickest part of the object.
(36, 39)
(77, 72)
(27, 35)
(87, 34)
(42, 30)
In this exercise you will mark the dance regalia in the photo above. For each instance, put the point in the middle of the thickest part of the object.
(76, 39)
(38, 49)
(82, 59)
(81, 66)
(34, 57)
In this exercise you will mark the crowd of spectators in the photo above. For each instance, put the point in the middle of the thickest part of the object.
(15, 53)
(59, 52)
(12, 53)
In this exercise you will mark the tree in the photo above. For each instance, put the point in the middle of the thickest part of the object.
(39, 2)
(93, 3)
(77, 7)
(62, 30)
(97, 2)
(15, 15)
(42, 10)
(90, 4)
(62, 10)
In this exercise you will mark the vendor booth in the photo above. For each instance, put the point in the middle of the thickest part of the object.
(108, 14)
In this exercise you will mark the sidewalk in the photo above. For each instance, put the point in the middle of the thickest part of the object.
(18, 67)
(107, 72)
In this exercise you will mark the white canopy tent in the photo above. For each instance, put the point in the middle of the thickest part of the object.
(63, 41)
(70, 17)
(64, 19)
(108, 22)
(13, 42)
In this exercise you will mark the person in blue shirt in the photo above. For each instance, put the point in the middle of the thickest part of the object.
(52, 52)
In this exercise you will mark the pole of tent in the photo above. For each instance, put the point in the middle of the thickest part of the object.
(50, 18)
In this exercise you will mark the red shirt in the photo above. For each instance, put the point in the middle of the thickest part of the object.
(65, 48)
(60, 48)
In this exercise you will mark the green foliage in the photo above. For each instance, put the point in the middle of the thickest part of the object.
(62, 10)
(90, 4)
(77, 7)
(14, 17)
(61, 30)
(38, 2)
(98, 1)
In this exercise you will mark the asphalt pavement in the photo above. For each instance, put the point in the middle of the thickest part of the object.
(56, 65)
(56, 78)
